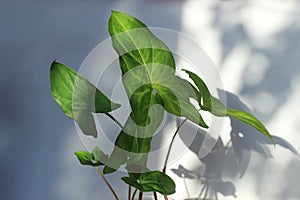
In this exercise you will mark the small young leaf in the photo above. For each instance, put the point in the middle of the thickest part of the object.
(85, 158)
(96, 158)
(77, 97)
(154, 181)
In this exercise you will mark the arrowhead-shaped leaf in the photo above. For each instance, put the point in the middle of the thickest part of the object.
(216, 107)
(145, 60)
(149, 79)
(77, 97)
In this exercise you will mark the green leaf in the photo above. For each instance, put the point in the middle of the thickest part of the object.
(249, 119)
(145, 60)
(85, 158)
(77, 97)
(96, 158)
(134, 142)
(203, 89)
(149, 79)
(99, 156)
(154, 181)
(136, 44)
(132, 182)
(216, 107)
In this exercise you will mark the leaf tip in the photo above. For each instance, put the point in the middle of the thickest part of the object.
(115, 106)
(205, 125)
(54, 63)
(108, 170)
(115, 13)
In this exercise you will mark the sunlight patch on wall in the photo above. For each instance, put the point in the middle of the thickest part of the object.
(197, 19)
(256, 69)
(263, 19)
(234, 66)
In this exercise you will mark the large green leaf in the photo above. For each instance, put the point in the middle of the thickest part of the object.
(145, 60)
(216, 107)
(149, 79)
(77, 97)
(136, 44)
(154, 181)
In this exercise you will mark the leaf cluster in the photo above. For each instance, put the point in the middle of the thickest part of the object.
(148, 75)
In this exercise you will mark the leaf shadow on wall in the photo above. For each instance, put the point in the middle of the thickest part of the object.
(225, 161)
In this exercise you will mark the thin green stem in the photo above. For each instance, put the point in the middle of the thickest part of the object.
(107, 183)
(133, 195)
(115, 120)
(171, 144)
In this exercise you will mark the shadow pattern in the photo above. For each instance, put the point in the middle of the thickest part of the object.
(226, 161)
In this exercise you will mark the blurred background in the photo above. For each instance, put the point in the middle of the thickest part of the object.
(254, 44)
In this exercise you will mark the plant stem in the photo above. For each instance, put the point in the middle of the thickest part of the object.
(140, 196)
(115, 120)
(133, 195)
(166, 197)
(202, 190)
(171, 144)
(206, 191)
(155, 195)
(129, 192)
(107, 183)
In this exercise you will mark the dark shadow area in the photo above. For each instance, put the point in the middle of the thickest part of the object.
(226, 161)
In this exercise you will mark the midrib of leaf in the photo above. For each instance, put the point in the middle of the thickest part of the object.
(133, 41)
(125, 31)
(69, 76)
(72, 76)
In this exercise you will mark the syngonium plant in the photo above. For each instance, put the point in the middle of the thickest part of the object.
(148, 76)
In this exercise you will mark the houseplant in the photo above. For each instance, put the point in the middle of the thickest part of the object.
(148, 76)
